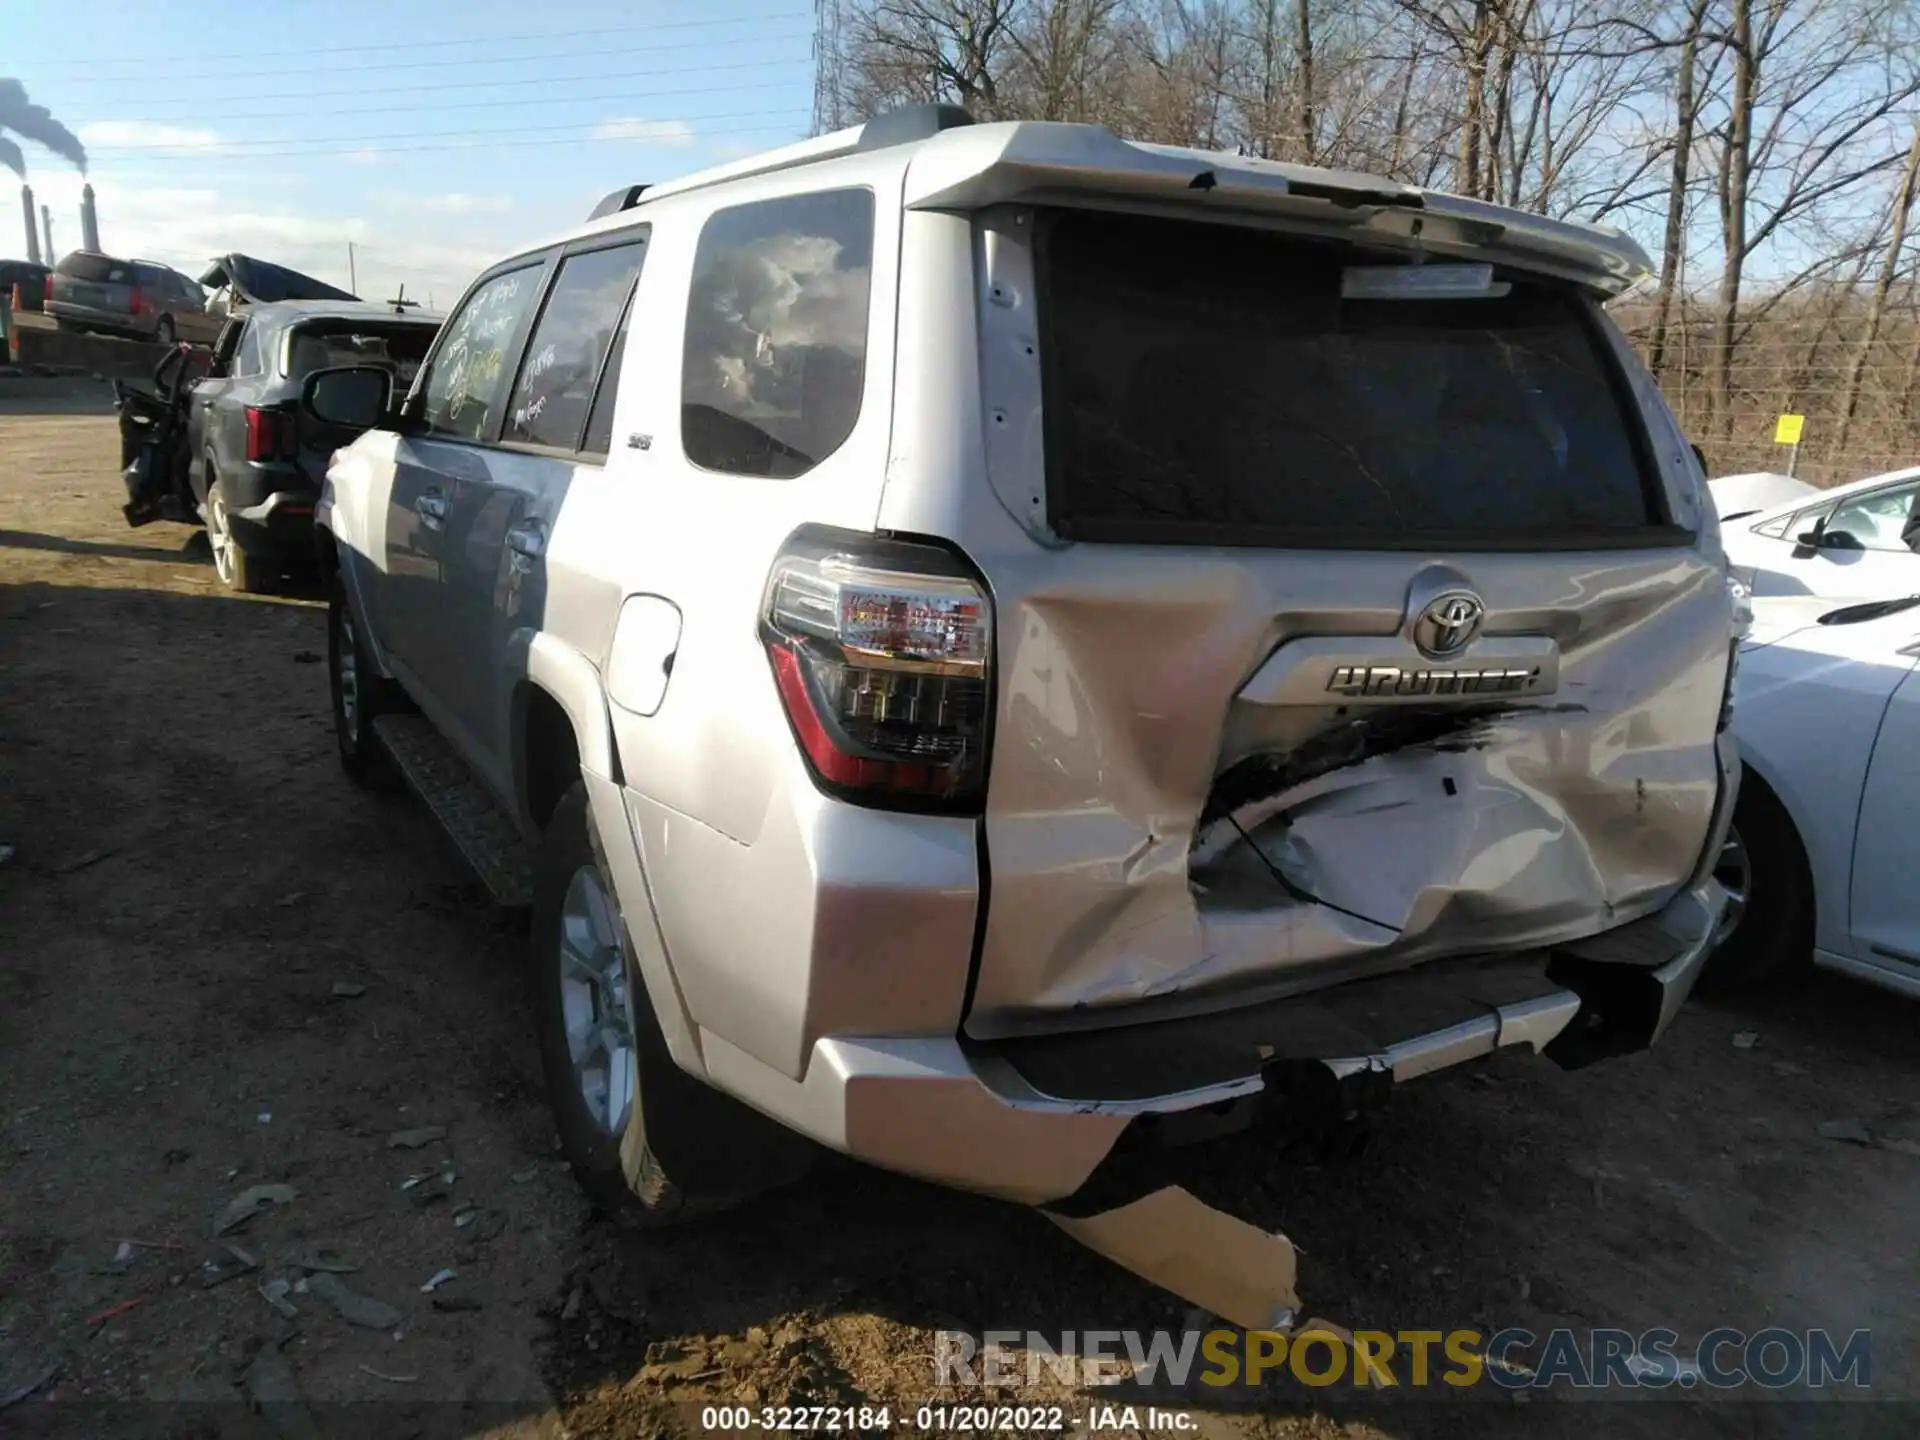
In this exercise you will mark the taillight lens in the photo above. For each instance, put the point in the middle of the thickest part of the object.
(270, 435)
(136, 300)
(46, 293)
(882, 651)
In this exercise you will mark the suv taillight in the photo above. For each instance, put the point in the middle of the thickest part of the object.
(46, 293)
(882, 651)
(135, 301)
(270, 435)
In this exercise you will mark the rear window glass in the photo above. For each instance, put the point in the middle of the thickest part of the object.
(97, 268)
(1208, 378)
(776, 344)
(398, 349)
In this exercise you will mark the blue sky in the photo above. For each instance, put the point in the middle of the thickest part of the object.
(433, 135)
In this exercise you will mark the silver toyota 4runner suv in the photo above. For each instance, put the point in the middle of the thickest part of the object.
(984, 644)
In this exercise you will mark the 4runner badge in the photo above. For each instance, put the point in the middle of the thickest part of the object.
(1361, 681)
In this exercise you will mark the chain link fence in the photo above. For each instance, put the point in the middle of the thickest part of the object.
(1807, 355)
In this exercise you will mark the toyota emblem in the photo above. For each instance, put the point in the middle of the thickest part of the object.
(1448, 624)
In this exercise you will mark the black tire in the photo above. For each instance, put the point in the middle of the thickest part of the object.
(685, 1150)
(1771, 941)
(164, 332)
(362, 755)
(234, 568)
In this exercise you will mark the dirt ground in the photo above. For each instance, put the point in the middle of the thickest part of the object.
(195, 884)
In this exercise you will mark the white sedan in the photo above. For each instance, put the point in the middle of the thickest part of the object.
(1853, 540)
(1822, 860)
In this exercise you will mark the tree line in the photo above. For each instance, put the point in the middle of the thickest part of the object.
(1765, 152)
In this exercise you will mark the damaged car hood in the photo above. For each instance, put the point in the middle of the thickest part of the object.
(261, 282)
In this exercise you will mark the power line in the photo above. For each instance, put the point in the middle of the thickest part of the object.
(547, 80)
(214, 156)
(146, 62)
(546, 100)
(359, 141)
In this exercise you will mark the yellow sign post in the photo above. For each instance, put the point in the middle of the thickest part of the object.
(1787, 431)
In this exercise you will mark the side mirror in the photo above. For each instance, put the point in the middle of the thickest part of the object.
(1808, 540)
(352, 397)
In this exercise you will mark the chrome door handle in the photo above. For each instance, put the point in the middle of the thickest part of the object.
(432, 508)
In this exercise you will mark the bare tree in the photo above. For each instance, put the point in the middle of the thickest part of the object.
(1883, 287)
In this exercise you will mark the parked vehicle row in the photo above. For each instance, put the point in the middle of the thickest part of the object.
(951, 691)
(216, 437)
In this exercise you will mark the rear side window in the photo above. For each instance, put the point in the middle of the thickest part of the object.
(323, 345)
(599, 437)
(98, 269)
(1207, 383)
(469, 377)
(251, 359)
(776, 344)
(554, 390)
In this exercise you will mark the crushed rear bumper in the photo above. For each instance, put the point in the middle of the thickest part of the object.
(1034, 1119)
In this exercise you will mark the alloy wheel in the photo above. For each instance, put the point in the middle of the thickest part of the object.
(594, 1002)
(1734, 871)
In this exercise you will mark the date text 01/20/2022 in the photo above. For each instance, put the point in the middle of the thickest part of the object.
(938, 1419)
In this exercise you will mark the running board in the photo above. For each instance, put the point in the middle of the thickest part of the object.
(484, 833)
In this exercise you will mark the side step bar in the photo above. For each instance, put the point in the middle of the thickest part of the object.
(465, 808)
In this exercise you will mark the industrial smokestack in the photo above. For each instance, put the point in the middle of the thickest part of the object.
(33, 230)
(46, 224)
(89, 220)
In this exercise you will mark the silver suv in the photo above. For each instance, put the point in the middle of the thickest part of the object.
(976, 642)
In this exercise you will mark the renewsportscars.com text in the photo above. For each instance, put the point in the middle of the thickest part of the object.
(1723, 1358)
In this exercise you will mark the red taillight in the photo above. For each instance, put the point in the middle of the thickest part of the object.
(47, 294)
(270, 435)
(136, 301)
(882, 654)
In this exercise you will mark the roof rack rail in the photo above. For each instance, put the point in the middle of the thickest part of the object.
(625, 198)
(910, 123)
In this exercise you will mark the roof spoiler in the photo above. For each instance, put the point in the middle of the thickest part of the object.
(625, 198)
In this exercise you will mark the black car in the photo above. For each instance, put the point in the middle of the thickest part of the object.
(223, 443)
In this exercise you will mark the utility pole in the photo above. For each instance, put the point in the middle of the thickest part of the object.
(353, 276)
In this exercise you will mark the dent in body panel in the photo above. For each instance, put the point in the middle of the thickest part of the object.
(1376, 834)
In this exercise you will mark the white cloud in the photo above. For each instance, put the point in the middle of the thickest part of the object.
(670, 134)
(365, 155)
(146, 134)
(462, 204)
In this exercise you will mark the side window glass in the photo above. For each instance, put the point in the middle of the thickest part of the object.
(247, 362)
(1805, 521)
(599, 437)
(1877, 519)
(554, 390)
(775, 354)
(1774, 529)
(469, 369)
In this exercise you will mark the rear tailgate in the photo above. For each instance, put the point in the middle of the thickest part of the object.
(1373, 637)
